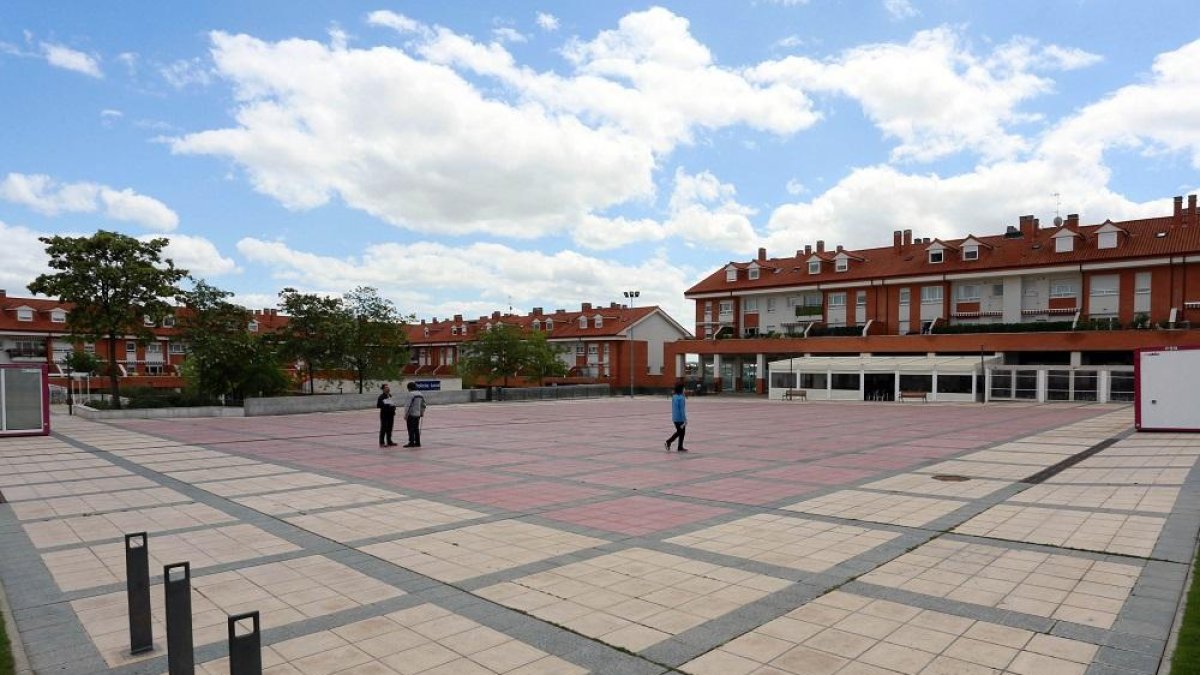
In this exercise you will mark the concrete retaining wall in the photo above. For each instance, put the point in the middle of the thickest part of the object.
(292, 405)
(156, 413)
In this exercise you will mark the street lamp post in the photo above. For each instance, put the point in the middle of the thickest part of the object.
(631, 295)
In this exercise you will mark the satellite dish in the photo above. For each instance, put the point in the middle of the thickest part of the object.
(1058, 221)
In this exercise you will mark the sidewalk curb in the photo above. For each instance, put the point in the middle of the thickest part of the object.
(20, 660)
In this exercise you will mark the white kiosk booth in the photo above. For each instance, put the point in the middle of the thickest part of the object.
(1165, 389)
(24, 400)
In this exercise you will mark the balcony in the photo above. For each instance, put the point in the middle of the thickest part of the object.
(26, 352)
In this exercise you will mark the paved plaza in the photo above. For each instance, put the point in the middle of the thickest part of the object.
(558, 538)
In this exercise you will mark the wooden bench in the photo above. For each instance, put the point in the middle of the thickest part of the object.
(795, 395)
(922, 395)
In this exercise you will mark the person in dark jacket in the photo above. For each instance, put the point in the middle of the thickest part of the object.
(387, 416)
(414, 410)
(679, 418)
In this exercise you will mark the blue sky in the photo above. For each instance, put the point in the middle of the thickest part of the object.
(463, 157)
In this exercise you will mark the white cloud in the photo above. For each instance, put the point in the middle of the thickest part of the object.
(197, 255)
(389, 19)
(130, 61)
(935, 95)
(61, 56)
(493, 273)
(788, 3)
(24, 258)
(900, 9)
(187, 72)
(507, 34)
(547, 22)
(47, 196)
(795, 187)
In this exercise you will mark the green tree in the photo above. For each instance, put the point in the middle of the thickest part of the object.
(223, 357)
(80, 361)
(112, 282)
(378, 345)
(317, 333)
(542, 358)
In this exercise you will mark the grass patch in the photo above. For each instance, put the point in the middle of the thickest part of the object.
(6, 660)
(1186, 660)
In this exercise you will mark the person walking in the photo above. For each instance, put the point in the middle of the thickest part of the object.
(414, 410)
(387, 416)
(679, 418)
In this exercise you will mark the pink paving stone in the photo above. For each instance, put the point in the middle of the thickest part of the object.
(558, 467)
(870, 460)
(636, 478)
(635, 515)
(445, 481)
(743, 490)
(784, 455)
(527, 495)
(394, 469)
(490, 458)
(341, 461)
(813, 473)
(722, 464)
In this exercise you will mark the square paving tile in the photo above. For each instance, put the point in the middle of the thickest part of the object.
(257, 485)
(851, 634)
(1057, 586)
(878, 507)
(58, 507)
(378, 520)
(9, 478)
(284, 592)
(634, 598)
(926, 484)
(528, 495)
(1122, 476)
(75, 487)
(742, 490)
(635, 515)
(1122, 497)
(799, 543)
(476, 550)
(115, 525)
(91, 566)
(228, 472)
(293, 501)
(1109, 532)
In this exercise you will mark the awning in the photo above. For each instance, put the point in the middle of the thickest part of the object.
(882, 364)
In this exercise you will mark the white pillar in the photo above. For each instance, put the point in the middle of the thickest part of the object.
(680, 366)
(760, 374)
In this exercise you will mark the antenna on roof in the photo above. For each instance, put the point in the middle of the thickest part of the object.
(510, 304)
(1058, 221)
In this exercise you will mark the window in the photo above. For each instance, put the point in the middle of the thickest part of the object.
(579, 349)
(970, 253)
(1106, 240)
(549, 325)
(905, 296)
(1141, 284)
(752, 273)
(936, 255)
(169, 321)
(997, 290)
(750, 305)
(130, 347)
(837, 300)
(731, 274)
(583, 322)
(954, 384)
(841, 265)
(861, 301)
(154, 348)
(931, 295)
(844, 381)
(147, 320)
(727, 307)
(58, 316)
(24, 314)
(814, 267)
(1063, 288)
(1064, 244)
(252, 326)
(770, 305)
(814, 380)
(454, 330)
(177, 348)
(598, 321)
(968, 293)
(537, 325)
(592, 350)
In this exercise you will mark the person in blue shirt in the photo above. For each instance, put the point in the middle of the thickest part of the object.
(679, 417)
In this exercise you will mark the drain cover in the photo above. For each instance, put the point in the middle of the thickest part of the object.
(950, 478)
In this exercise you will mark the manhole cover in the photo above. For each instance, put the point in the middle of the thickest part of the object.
(950, 478)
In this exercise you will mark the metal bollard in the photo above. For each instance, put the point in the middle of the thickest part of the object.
(245, 651)
(137, 588)
(178, 588)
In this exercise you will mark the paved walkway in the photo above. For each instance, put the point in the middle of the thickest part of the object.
(559, 538)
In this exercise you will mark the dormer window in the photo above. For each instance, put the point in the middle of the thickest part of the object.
(598, 321)
(58, 316)
(488, 326)
(1064, 244)
(549, 325)
(752, 273)
(537, 325)
(841, 265)
(169, 321)
(936, 256)
(252, 326)
(814, 267)
(454, 330)
(583, 322)
(426, 331)
(970, 253)
(1106, 240)
(147, 320)
(24, 314)
(731, 274)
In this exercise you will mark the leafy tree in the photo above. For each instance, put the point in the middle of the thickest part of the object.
(378, 346)
(113, 281)
(317, 333)
(223, 357)
(543, 358)
(80, 361)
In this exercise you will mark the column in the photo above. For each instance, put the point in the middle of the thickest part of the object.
(716, 373)
(760, 374)
(680, 366)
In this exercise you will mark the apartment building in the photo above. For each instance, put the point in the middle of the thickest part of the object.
(1038, 301)
(600, 343)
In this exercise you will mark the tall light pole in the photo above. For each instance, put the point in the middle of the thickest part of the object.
(631, 295)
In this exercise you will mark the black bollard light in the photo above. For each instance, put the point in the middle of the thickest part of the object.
(177, 584)
(245, 651)
(137, 588)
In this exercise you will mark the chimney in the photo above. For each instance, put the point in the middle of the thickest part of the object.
(496, 315)
(839, 248)
(560, 311)
(435, 320)
(820, 246)
(897, 239)
(1191, 209)
(3, 293)
(807, 250)
(1073, 221)
(586, 307)
(1179, 208)
(537, 311)
(762, 254)
(907, 237)
(613, 305)
(422, 322)
(458, 318)
(1028, 226)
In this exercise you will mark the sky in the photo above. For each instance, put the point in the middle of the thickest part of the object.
(467, 157)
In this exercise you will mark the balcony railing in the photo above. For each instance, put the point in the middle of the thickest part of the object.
(26, 352)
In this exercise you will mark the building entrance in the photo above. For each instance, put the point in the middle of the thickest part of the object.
(879, 386)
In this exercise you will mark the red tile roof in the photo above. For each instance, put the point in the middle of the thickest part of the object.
(566, 324)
